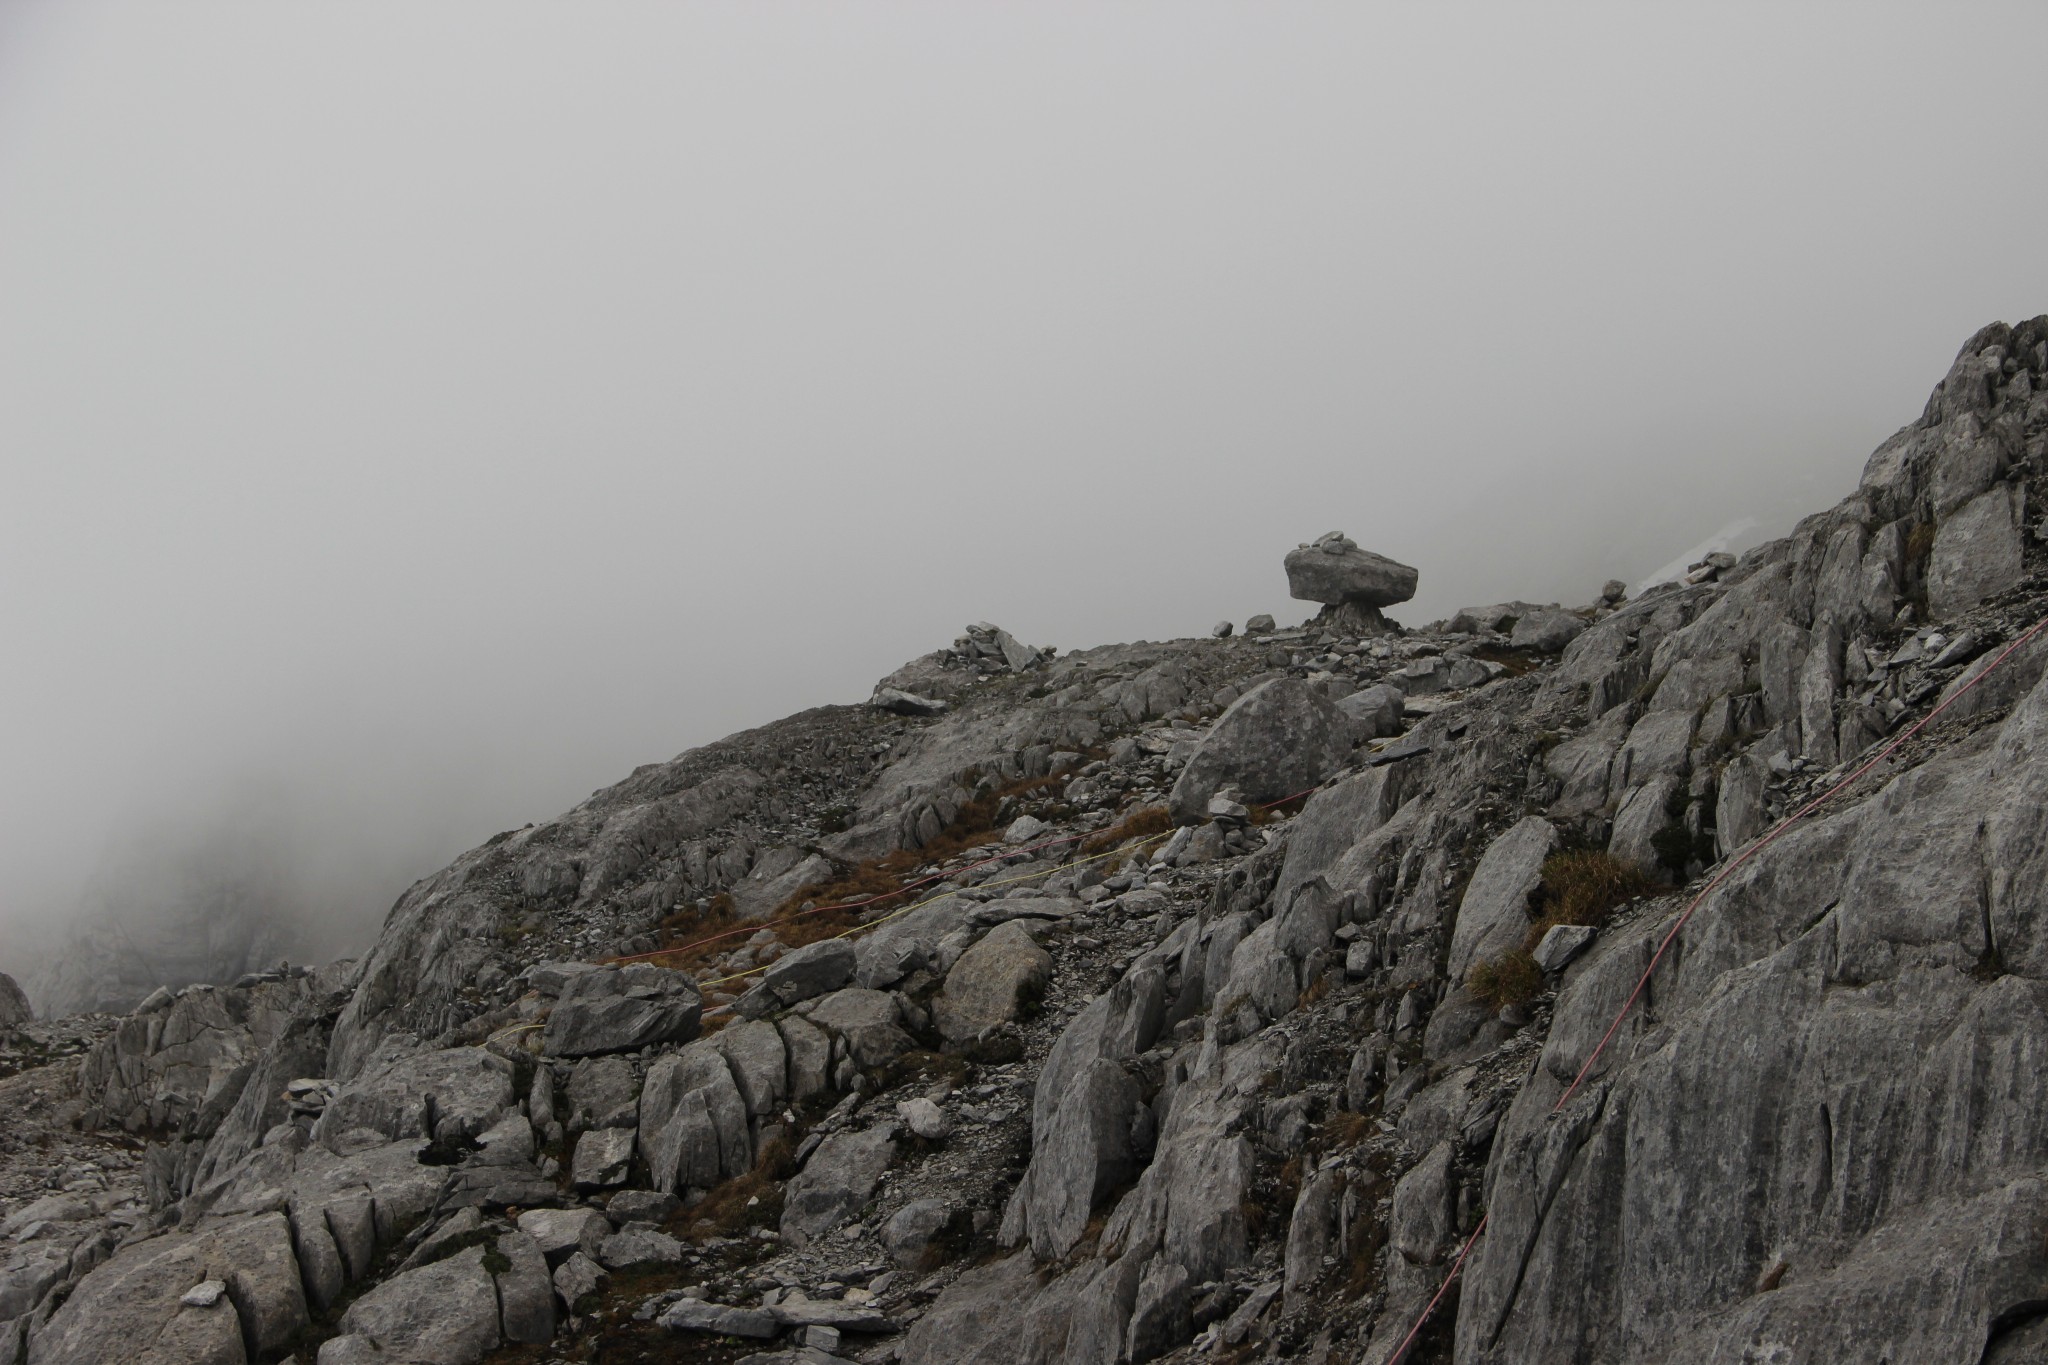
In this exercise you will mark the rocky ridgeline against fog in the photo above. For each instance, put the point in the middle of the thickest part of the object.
(1177, 1001)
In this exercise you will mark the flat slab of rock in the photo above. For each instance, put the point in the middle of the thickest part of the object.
(1561, 944)
(560, 1233)
(1334, 570)
(695, 1315)
(623, 1009)
(811, 971)
(445, 1312)
(639, 1245)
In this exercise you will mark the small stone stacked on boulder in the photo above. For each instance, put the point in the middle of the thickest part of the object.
(1353, 584)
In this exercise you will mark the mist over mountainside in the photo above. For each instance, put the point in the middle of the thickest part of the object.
(605, 386)
(1663, 973)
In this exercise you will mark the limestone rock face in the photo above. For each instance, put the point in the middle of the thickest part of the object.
(1768, 1035)
(1334, 570)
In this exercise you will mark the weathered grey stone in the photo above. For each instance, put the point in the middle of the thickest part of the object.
(446, 1312)
(526, 1291)
(911, 1230)
(639, 1245)
(1334, 570)
(1826, 1014)
(777, 877)
(693, 1122)
(129, 1307)
(760, 1064)
(865, 1023)
(1278, 739)
(992, 984)
(695, 1315)
(1561, 943)
(462, 1090)
(1644, 813)
(924, 1118)
(508, 1142)
(807, 972)
(1546, 631)
(14, 1006)
(1312, 1233)
(905, 703)
(623, 1009)
(603, 1092)
(893, 950)
(1083, 1153)
(836, 1182)
(1494, 915)
(577, 1278)
(1419, 1225)
(560, 1233)
(1373, 712)
(810, 1057)
(641, 1206)
(1977, 551)
(604, 1157)
(1159, 1316)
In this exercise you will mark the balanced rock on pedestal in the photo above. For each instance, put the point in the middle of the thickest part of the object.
(1353, 584)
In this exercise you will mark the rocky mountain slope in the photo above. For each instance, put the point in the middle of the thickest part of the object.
(1180, 1001)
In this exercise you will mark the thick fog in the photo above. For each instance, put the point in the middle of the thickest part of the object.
(413, 416)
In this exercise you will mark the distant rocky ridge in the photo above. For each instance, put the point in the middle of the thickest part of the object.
(1237, 978)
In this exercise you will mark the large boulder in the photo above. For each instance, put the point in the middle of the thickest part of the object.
(446, 1312)
(865, 1023)
(456, 1093)
(1280, 738)
(1334, 570)
(992, 984)
(1977, 551)
(133, 1307)
(623, 1009)
(1084, 1153)
(693, 1120)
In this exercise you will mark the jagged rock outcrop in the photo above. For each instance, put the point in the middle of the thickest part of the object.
(14, 1006)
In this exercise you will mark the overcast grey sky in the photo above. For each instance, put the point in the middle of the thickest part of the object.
(412, 416)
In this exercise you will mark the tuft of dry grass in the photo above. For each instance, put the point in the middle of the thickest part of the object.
(727, 1210)
(1513, 978)
(1585, 887)
(1141, 823)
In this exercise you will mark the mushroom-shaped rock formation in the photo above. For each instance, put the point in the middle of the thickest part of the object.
(1353, 584)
